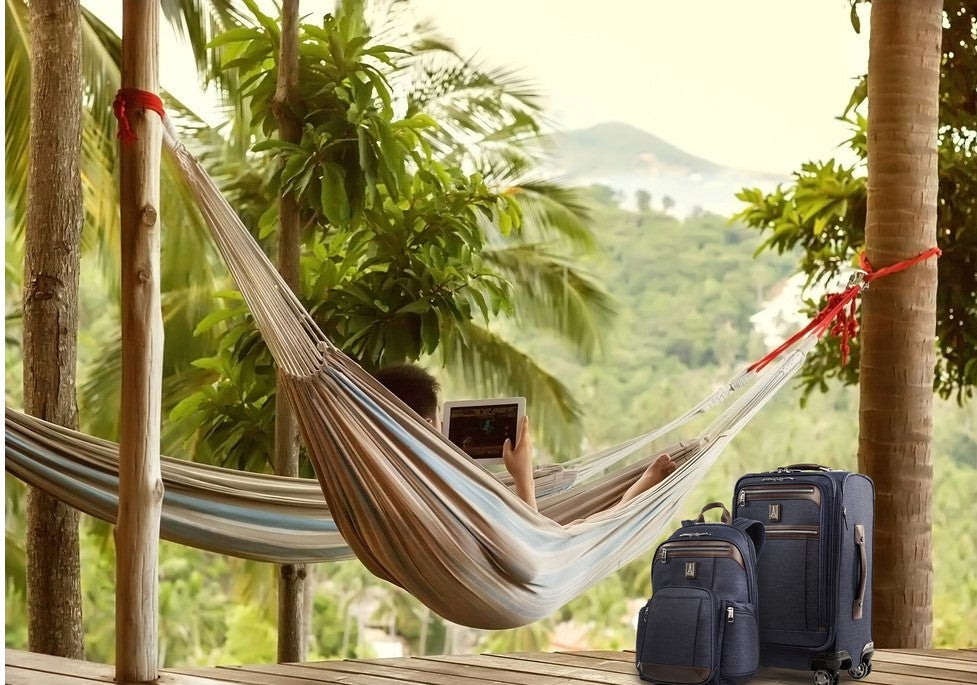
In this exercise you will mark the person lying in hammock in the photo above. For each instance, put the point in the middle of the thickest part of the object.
(419, 390)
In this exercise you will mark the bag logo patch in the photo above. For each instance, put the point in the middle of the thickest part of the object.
(773, 512)
(690, 570)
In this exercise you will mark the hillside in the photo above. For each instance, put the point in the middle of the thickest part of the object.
(629, 159)
(616, 147)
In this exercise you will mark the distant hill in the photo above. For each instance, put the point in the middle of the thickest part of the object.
(616, 147)
(629, 159)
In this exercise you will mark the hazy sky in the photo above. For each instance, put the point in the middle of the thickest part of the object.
(754, 84)
(747, 83)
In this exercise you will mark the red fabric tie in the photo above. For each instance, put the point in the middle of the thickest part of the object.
(131, 99)
(838, 317)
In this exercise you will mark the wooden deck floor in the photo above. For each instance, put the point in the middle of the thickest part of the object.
(900, 667)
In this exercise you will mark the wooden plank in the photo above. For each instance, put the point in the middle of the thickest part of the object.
(84, 671)
(771, 675)
(25, 676)
(938, 674)
(960, 654)
(625, 655)
(518, 665)
(923, 660)
(404, 670)
(226, 674)
(320, 675)
(468, 672)
(570, 659)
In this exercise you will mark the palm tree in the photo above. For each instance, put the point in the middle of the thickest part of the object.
(51, 273)
(47, 146)
(898, 313)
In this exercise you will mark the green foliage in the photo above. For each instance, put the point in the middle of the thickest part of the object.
(671, 278)
(409, 243)
(822, 213)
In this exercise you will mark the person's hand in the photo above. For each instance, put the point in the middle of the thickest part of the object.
(518, 462)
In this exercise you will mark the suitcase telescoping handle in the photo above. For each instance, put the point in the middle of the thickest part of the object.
(725, 517)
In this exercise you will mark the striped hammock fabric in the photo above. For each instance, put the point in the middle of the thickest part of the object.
(410, 505)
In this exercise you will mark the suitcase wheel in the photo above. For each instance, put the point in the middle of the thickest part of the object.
(823, 676)
(861, 671)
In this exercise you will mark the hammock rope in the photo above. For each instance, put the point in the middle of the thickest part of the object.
(413, 507)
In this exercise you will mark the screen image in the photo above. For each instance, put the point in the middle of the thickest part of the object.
(480, 431)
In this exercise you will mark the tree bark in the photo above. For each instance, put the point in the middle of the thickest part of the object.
(899, 313)
(51, 264)
(292, 636)
(140, 483)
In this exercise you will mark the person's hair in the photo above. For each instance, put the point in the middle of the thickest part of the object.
(414, 386)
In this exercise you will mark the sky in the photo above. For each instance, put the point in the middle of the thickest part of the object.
(753, 84)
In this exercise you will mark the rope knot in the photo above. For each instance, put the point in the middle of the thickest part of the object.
(839, 315)
(128, 99)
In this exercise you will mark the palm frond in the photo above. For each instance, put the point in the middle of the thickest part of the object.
(552, 292)
(488, 363)
(17, 103)
(551, 210)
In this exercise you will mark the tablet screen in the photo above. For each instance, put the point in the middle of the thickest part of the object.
(480, 430)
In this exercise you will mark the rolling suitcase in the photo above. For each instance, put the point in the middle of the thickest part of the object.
(815, 571)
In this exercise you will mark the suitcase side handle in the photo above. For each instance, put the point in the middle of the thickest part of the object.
(725, 517)
(804, 467)
(856, 610)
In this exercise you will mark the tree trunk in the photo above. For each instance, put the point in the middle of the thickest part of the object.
(140, 483)
(292, 637)
(899, 313)
(51, 264)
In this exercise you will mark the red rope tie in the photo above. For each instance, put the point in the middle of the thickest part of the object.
(838, 317)
(128, 99)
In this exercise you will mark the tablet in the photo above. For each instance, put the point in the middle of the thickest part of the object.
(479, 427)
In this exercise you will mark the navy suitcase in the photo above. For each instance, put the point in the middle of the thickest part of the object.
(815, 571)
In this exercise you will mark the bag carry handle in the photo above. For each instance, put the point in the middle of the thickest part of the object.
(804, 467)
(725, 517)
(856, 610)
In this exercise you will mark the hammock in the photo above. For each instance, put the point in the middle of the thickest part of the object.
(286, 520)
(414, 508)
(248, 515)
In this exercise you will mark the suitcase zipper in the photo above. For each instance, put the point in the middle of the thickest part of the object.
(793, 532)
(779, 492)
(722, 550)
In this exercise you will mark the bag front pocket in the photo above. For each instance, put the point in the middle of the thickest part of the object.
(642, 628)
(741, 642)
(679, 641)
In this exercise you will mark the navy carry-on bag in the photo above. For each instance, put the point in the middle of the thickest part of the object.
(815, 571)
(699, 627)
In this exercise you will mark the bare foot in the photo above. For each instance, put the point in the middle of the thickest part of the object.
(656, 472)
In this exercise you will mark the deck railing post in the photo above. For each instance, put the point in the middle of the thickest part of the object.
(140, 483)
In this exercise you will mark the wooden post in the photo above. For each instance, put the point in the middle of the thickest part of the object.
(291, 579)
(140, 484)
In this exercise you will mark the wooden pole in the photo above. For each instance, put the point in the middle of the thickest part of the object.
(140, 484)
(292, 577)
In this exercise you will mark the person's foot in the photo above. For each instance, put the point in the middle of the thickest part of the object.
(656, 472)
